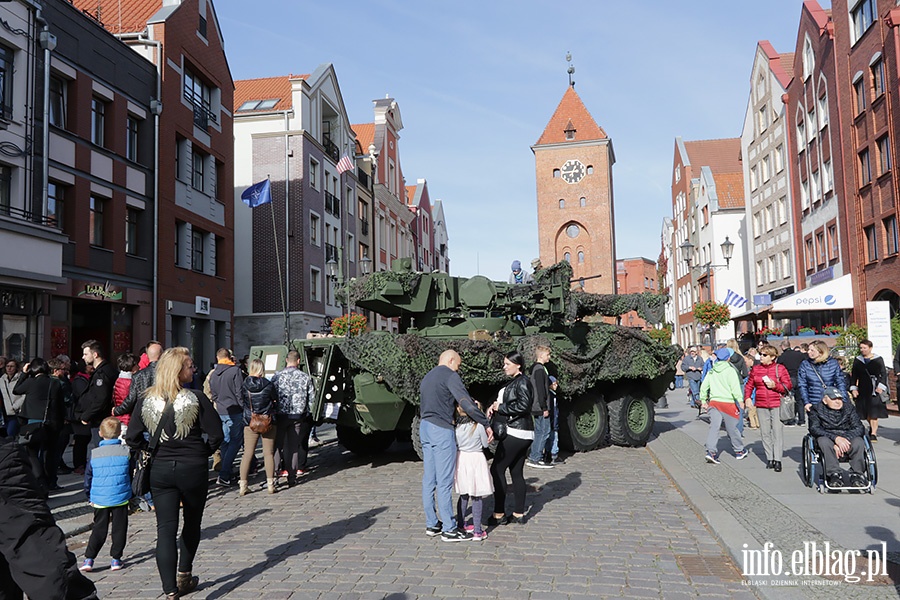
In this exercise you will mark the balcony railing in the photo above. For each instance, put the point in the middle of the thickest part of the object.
(331, 148)
(363, 177)
(202, 113)
(332, 204)
(331, 252)
(27, 215)
(363, 227)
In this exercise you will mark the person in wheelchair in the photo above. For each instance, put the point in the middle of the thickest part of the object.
(838, 432)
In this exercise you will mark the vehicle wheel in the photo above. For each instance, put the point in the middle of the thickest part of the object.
(414, 434)
(364, 444)
(584, 424)
(630, 420)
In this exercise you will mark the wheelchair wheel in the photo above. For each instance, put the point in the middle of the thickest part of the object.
(807, 465)
(871, 464)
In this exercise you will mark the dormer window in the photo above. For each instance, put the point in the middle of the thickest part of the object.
(570, 131)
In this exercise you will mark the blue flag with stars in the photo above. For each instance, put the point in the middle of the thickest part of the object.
(257, 194)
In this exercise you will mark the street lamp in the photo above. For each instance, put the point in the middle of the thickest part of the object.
(687, 254)
(365, 265)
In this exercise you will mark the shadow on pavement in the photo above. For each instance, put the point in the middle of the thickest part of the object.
(303, 542)
(553, 490)
(216, 530)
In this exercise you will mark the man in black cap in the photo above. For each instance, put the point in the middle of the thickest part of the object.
(838, 431)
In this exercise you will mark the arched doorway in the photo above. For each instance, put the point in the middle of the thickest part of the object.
(892, 297)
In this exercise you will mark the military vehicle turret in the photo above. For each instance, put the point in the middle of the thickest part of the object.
(610, 376)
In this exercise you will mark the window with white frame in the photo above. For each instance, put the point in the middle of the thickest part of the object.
(862, 15)
(822, 112)
(58, 92)
(756, 225)
(754, 177)
(314, 227)
(779, 158)
(809, 60)
(828, 177)
(814, 187)
(762, 119)
(782, 210)
(770, 263)
(769, 219)
(810, 125)
(804, 195)
(313, 173)
(859, 92)
(760, 273)
(766, 168)
(315, 284)
(786, 264)
(877, 69)
(884, 155)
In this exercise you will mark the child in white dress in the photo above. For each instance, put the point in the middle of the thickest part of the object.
(473, 479)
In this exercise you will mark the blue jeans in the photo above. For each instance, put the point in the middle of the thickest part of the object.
(679, 381)
(552, 445)
(233, 430)
(694, 387)
(439, 459)
(541, 433)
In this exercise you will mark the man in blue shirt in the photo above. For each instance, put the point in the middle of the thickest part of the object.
(440, 391)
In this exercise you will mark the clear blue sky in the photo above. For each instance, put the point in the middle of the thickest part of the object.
(477, 82)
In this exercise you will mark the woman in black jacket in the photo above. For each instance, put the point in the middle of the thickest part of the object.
(259, 397)
(515, 407)
(43, 412)
(179, 472)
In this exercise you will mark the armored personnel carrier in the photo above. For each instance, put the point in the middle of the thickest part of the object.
(610, 376)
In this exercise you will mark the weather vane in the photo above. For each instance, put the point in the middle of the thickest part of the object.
(571, 69)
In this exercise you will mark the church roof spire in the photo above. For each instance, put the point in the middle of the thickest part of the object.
(572, 122)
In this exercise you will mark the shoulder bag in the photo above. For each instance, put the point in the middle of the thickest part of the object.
(260, 424)
(140, 480)
(498, 422)
(787, 411)
(882, 396)
(33, 434)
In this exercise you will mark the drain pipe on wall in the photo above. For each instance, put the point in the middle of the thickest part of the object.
(48, 44)
(156, 108)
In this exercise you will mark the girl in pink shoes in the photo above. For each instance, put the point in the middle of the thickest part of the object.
(473, 479)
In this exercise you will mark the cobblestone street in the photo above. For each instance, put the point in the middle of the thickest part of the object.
(607, 523)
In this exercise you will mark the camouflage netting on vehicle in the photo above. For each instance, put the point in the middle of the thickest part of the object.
(611, 353)
(368, 286)
(649, 306)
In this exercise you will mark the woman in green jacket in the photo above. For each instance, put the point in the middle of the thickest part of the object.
(721, 395)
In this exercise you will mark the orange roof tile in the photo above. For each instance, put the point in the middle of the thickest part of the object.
(721, 156)
(120, 16)
(730, 189)
(410, 193)
(265, 88)
(571, 110)
(787, 63)
(365, 135)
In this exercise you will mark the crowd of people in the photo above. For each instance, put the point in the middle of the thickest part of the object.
(833, 394)
(110, 415)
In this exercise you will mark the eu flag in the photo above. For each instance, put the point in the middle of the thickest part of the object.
(257, 194)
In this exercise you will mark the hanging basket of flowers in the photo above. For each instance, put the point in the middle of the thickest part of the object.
(770, 331)
(714, 313)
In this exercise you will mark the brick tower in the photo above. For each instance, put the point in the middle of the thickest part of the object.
(573, 164)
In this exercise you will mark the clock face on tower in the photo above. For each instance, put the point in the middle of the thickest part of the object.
(573, 171)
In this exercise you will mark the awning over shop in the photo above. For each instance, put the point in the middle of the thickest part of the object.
(836, 294)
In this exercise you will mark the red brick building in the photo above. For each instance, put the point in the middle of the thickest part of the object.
(635, 276)
(866, 36)
(573, 166)
(194, 292)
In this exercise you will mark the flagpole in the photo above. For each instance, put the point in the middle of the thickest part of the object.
(280, 277)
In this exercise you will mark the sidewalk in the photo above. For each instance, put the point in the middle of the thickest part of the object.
(747, 505)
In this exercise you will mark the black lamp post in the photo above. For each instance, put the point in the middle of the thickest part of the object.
(687, 254)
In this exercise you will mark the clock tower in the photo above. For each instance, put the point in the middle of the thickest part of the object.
(573, 164)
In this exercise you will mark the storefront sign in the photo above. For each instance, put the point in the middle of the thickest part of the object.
(822, 276)
(782, 292)
(836, 294)
(104, 292)
(878, 319)
(762, 299)
(201, 305)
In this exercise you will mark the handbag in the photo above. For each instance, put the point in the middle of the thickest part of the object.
(787, 411)
(260, 424)
(499, 426)
(33, 434)
(882, 396)
(140, 480)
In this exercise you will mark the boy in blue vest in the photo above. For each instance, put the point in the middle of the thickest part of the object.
(107, 484)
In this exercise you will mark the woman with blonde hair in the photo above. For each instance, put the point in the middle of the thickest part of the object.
(259, 398)
(179, 474)
(818, 372)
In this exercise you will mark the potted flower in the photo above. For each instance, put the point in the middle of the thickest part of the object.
(770, 332)
(806, 331)
(349, 325)
(831, 329)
